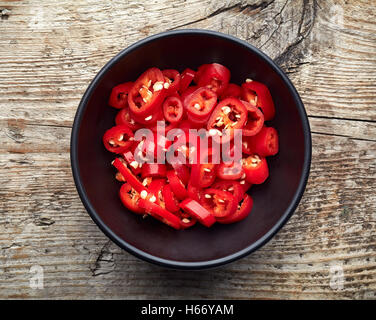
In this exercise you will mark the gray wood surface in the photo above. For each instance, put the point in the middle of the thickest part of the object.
(50, 51)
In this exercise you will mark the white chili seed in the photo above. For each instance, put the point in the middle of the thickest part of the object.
(207, 169)
(158, 86)
(226, 109)
(185, 220)
(221, 201)
(148, 118)
(207, 196)
(197, 106)
(153, 199)
(166, 85)
(248, 80)
(143, 194)
(242, 182)
(134, 164)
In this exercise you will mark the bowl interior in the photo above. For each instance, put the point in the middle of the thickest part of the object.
(198, 244)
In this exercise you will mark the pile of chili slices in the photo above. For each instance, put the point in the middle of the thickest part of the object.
(180, 194)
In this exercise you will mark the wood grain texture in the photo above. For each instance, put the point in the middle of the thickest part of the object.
(49, 53)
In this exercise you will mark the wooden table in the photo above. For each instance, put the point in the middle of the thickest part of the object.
(48, 55)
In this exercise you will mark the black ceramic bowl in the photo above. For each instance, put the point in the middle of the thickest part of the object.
(198, 247)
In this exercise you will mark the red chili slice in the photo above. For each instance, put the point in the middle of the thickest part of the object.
(154, 170)
(170, 200)
(246, 145)
(146, 95)
(232, 90)
(220, 203)
(194, 192)
(200, 104)
(199, 72)
(197, 211)
(155, 192)
(255, 120)
(258, 94)
(118, 139)
(172, 77)
(186, 93)
(231, 186)
(265, 143)
(244, 208)
(214, 76)
(186, 220)
(176, 185)
(228, 115)
(256, 169)
(119, 164)
(134, 165)
(130, 197)
(160, 214)
(173, 109)
(203, 175)
(182, 172)
(119, 95)
(124, 117)
(230, 171)
(186, 79)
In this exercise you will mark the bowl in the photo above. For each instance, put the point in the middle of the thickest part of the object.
(198, 247)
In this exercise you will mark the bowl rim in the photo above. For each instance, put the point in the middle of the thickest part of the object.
(186, 265)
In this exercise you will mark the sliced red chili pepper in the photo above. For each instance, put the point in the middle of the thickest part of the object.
(244, 208)
(200, 104)
(265, 143)
(173, 78)
(155, 143)
(154, 170)
(134, 165)
(197, 211)
(194, 192)
(230, 171)
(160, 214)
(228, 115)
(214, 76)
(118, 139)
(232, 186)
(182, 172)
(256, 169)
(203, 175)
(255, 120)
(186, 220)
(173, 109)
(155, 192)
(258, 94)
(199, 72)
(219, 203)
(119, 95)
(186, 79)
(120, 164)
(246, 145)
(176, 185)
(168, 126)
(150, 88)
(130, 197)
(232, 90)
(170, 200)
(187, 92)
(124, 117)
